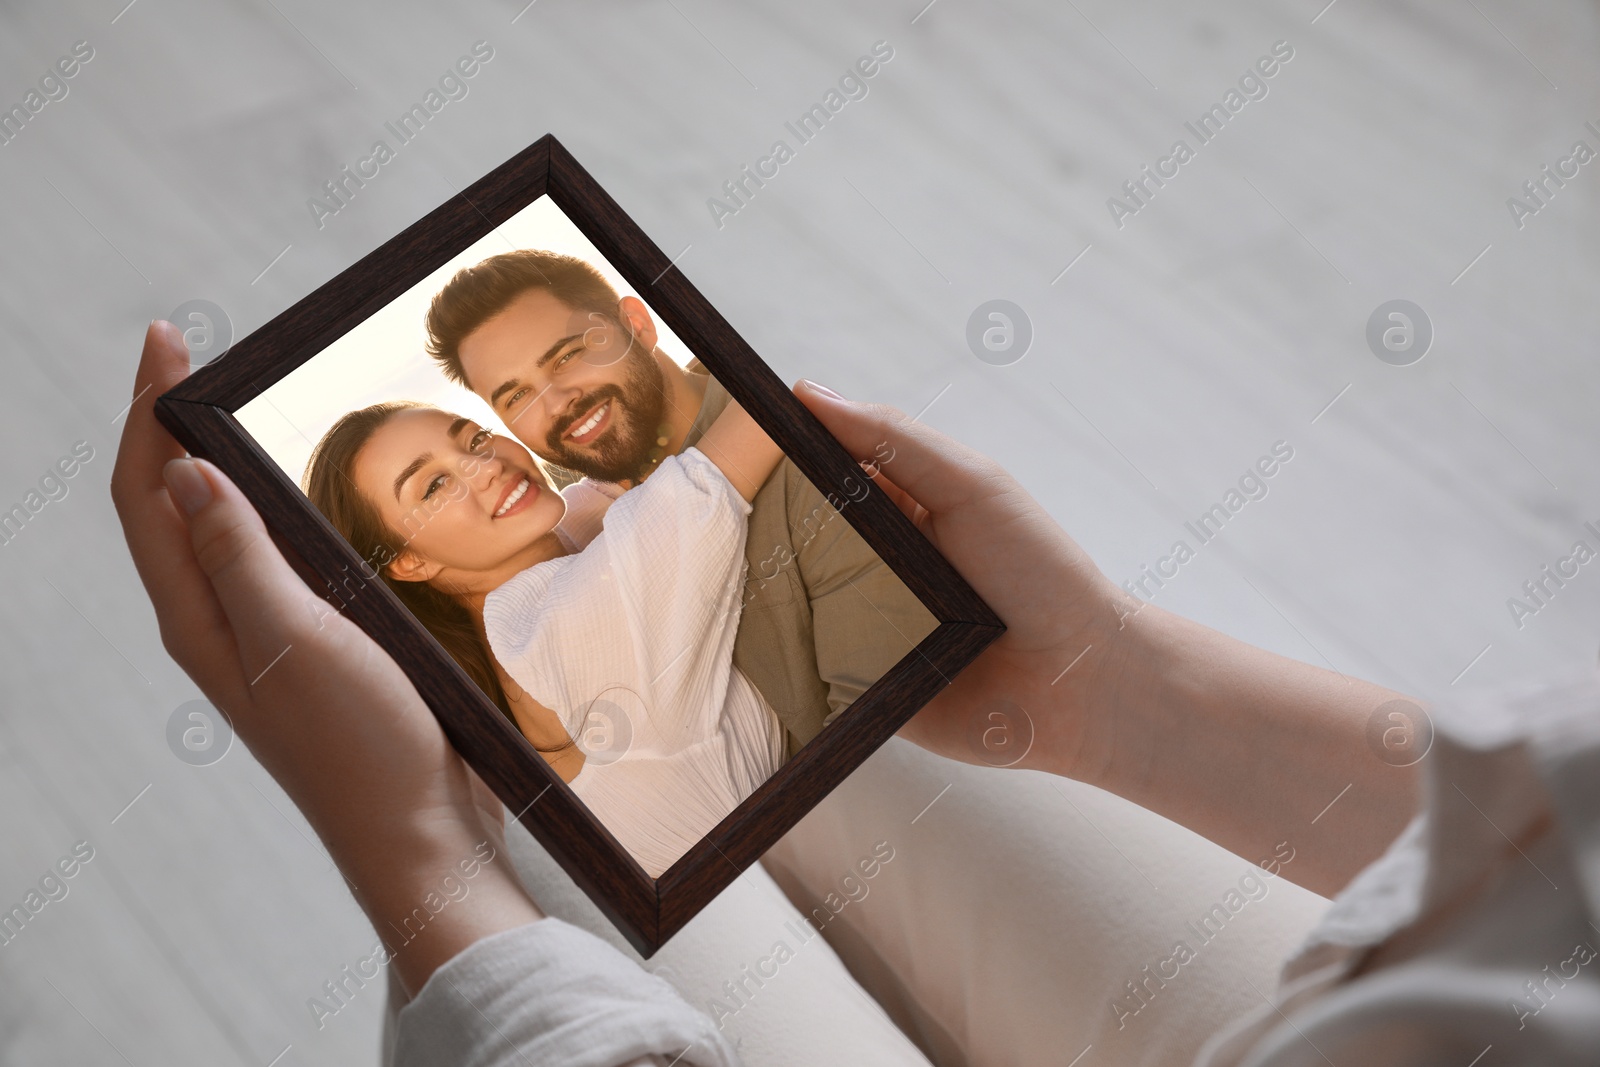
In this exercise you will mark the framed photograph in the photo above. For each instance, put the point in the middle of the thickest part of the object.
(517, 447)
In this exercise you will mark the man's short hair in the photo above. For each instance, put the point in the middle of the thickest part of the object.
(477, 294)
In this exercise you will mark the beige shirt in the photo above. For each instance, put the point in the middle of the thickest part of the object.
(824, 616)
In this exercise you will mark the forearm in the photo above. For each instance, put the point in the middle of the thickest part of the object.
(741, 450)
(1249, 749)
(1245, 747)
(431, 895)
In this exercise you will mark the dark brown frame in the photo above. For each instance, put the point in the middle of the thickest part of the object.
(199, 413)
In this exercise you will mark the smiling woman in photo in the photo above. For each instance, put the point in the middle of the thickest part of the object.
(555, 622)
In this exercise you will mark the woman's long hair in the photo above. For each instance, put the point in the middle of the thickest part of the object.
(330, 483)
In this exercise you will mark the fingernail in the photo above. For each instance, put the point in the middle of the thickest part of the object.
(823, 389)
(188, 484)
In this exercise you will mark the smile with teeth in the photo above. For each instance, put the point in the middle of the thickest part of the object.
(579, 432)
(516, 494)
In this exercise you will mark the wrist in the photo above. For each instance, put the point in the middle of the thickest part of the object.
(1095, 707)
(1176, 692)
(432, 892)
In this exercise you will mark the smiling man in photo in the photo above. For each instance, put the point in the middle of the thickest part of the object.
(573, 369)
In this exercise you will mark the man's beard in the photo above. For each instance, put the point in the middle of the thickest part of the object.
(623, 451)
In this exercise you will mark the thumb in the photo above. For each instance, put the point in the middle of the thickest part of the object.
(937, 472)
(266, 603)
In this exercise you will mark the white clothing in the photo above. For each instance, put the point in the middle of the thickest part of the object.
(586, 500)
(1487, 910)
(550, 993)
(932, 935)
(631, 642)
(996, 927)
(1019, 906)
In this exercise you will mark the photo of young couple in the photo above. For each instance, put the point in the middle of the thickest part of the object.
(603, 540)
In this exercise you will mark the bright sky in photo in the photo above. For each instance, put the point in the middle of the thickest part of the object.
(384, 357)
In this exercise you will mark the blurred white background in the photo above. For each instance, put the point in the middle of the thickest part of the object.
(1168, 355)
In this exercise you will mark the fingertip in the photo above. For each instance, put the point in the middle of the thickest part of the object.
(165, 360)
(221, 484)
(166, 334)
(822, 402)
(188, 484)
(833, 410)
(806, 385)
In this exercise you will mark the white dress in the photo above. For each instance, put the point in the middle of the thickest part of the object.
(630, 642)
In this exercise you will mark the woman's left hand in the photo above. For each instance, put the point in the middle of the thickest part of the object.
(327, 712)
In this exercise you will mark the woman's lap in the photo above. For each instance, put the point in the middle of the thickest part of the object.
(1020, 911)
(996, 922)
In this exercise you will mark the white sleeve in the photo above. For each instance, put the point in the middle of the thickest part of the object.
(650, 608)
(549, 992)
(1488, 896)
(586, 501)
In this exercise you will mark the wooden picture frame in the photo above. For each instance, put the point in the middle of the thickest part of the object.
(200, 414)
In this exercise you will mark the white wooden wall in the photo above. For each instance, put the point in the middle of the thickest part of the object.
(1223, 317)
